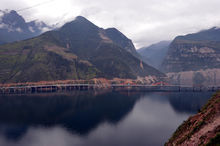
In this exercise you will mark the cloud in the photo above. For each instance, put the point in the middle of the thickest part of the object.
(144, 21)
(2, 25)
(18, 29)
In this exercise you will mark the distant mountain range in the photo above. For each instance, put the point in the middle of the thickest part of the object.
(13, 27)
(78, 50)
(195, 58)
(154, 54)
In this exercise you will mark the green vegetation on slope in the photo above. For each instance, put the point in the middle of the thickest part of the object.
(31, 61)
(78, 50)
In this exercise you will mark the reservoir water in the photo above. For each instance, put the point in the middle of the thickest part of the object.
(95, 119)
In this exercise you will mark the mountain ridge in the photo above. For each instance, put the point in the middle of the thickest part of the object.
(13, 27)
(155, 53)
(78, 50)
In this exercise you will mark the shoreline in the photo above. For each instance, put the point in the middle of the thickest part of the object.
(200, 129)
(95, 87)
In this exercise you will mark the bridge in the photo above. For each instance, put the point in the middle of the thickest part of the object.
(114, 87)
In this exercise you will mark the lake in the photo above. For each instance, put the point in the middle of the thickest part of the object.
(86, 118)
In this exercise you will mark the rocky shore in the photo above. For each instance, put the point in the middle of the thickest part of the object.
(200, 129)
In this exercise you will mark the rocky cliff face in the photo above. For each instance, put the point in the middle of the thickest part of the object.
(184, 55)
(197, 53)
(200, 129)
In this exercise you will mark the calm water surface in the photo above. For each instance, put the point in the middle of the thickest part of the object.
(95, 119)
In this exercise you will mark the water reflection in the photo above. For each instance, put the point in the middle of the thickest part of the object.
(83, 118)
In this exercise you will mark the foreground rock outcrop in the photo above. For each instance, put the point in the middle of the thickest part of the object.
(200, 129)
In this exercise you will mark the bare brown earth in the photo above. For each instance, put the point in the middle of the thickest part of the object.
(200, 129)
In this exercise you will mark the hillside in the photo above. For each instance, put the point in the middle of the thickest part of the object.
(78, 50)
(202, 128)
(194, 57)
(13, 27)
(120, 39)
(155, 53)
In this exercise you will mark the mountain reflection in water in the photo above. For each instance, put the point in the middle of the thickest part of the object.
(85, 118)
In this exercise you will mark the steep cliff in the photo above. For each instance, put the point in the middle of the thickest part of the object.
(195, 57)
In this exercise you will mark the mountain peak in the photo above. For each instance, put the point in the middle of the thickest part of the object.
(82, 19)
(13, 12)
(12, 18)
(81, 24)
(120, 39)
(16, 28)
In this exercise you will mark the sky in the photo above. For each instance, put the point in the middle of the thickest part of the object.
(143, 21)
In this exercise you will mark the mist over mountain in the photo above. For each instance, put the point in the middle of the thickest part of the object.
(212, 34)
(77, 50)
(155, 53)
(13, 27)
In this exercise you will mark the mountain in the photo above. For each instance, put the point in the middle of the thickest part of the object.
(13, 27)
(200, 129)
(194, 51)
(212, 34)
(77, 50)
(155, 53)
(195, 58)
(121, 40)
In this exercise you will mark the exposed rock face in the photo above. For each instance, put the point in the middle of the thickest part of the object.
(192, 56)
(194, 52)
(200, 129)
(13, 27)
